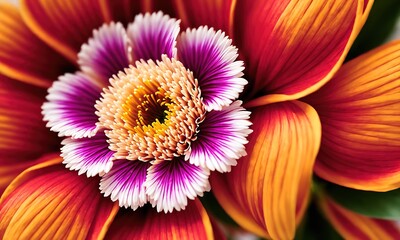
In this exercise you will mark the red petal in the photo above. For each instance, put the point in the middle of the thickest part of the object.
(64, 25)
(23, 56)
(355, 226)
(23, 135)
(360, 117)
(267, 191)
(49, 202)
(293, 47)
(145, 223)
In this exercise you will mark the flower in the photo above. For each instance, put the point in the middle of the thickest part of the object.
(164, 123)
(290, 50)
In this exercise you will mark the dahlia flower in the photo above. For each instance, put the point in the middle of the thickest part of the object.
(151, 99)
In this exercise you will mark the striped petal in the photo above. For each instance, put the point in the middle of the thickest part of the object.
(23, 56)
(209, 13)
(106, 53)
(88, 155)
(355, 226)
(293, 47)
(62, 24)
(70, 109)
(170, 184)
(125, 183)
(360, 118)
(48, 202)
(193, 223)
(152, 35)
(266, 193)
(212, 59)
(23, 134)
(221, 139)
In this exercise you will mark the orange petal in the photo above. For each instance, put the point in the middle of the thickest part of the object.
(47, 201)
(23, 56)
(23, 135)
(267, 191)
(355, 226)
(147, 223)
(293, 47)
(359, 110)
(210, 12)
(64, 25)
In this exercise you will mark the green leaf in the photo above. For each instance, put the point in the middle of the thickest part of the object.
(380, 24)
(384, 205)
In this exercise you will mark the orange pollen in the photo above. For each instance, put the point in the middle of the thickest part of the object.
(151, 111)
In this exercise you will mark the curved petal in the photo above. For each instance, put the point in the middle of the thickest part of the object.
(106, 53)
(170, 184)
(360, 118)
(267, 191)
(22, 55)
(64, 25)
(210, 13)
(220, 142)
(23, 135)
(88, 155)
(355, 226)
(145, 223)
(299, 46)
(70, 109)
(153, 35)
(49, 202)
(212, 59)
(125, 183)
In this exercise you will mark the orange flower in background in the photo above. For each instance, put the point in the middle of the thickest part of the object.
(308, 113)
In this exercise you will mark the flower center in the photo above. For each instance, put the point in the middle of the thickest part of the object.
(152, 111)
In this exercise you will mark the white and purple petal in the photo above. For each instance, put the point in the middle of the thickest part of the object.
(170, 184)
(125, 183)
(221, 139)
(70, 109)
(88, 155)
(106, 53)
(212, 59)
(152, 35)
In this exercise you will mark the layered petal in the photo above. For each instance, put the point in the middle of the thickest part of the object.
(106, 53)
(88, 155)
(170, 184)
(209, 13)
(145, 223)
(212, 59)
(360, 117)
(292, 48)
(153, 35)
(125, 183)
(221, 139)
(355, 226)
(23, 56)
(48, 202)
(64, 25)
(267, 191)
(70, 109)
(23, 135)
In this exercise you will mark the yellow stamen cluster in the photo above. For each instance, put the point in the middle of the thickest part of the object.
(151, 111)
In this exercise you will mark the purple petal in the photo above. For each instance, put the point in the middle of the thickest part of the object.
(125, 183)
(106, 53)
(153, 35)
(90, 155)
(222, 138)
(211, 57)
(170, 183)
(70, 109)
